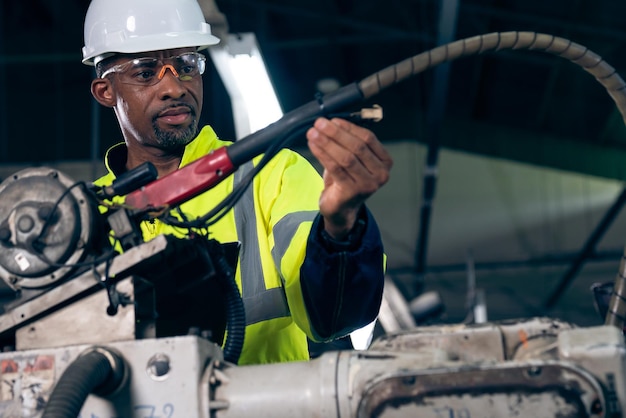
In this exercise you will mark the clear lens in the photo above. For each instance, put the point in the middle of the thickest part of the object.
(149, 71)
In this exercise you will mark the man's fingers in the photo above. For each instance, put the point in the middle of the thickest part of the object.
(366, 136)
(350, 154)
(344, 140)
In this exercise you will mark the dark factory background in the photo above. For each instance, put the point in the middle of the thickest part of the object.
(529, 150)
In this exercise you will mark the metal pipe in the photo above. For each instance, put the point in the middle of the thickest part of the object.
(447, 31)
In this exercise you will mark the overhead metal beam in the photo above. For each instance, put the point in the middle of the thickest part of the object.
(329, 18)
(387, 33)
(549, 260)
(561, 24)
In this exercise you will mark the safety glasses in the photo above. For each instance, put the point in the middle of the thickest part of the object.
(148, 71)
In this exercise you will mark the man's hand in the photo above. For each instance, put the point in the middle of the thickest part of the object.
(355, 166)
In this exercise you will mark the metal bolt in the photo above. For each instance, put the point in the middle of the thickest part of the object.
(25, 223)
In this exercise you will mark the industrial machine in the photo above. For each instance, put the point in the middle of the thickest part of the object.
(90, 327)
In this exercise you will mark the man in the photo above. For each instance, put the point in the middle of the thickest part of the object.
(311, 260)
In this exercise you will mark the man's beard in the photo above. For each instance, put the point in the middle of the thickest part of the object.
(175, 139)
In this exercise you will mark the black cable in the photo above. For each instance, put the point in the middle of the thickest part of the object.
(55, 206)
(107, 256)
(229, 201)
(97, 370)
(235, 310)
(34, 246)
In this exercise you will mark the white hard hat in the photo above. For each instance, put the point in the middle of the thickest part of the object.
(129, 26)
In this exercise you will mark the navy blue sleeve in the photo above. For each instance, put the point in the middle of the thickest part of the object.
(342, 289)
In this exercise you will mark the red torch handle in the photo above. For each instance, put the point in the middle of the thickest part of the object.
(183, 184)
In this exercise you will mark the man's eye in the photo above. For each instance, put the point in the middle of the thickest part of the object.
(144, 75)
(187, 69)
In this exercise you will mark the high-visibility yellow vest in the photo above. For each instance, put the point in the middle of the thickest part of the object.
(272, 221)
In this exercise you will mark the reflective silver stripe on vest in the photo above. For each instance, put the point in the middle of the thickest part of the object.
(286, 228)
(261, 304)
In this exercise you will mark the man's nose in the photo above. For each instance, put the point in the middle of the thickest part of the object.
(170, 87)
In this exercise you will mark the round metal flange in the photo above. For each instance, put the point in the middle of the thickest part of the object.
(45, 227)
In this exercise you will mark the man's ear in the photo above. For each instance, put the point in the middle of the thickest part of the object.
(102, 91)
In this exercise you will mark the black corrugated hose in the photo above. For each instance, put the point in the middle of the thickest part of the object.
(235, 312)
(97, 370)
